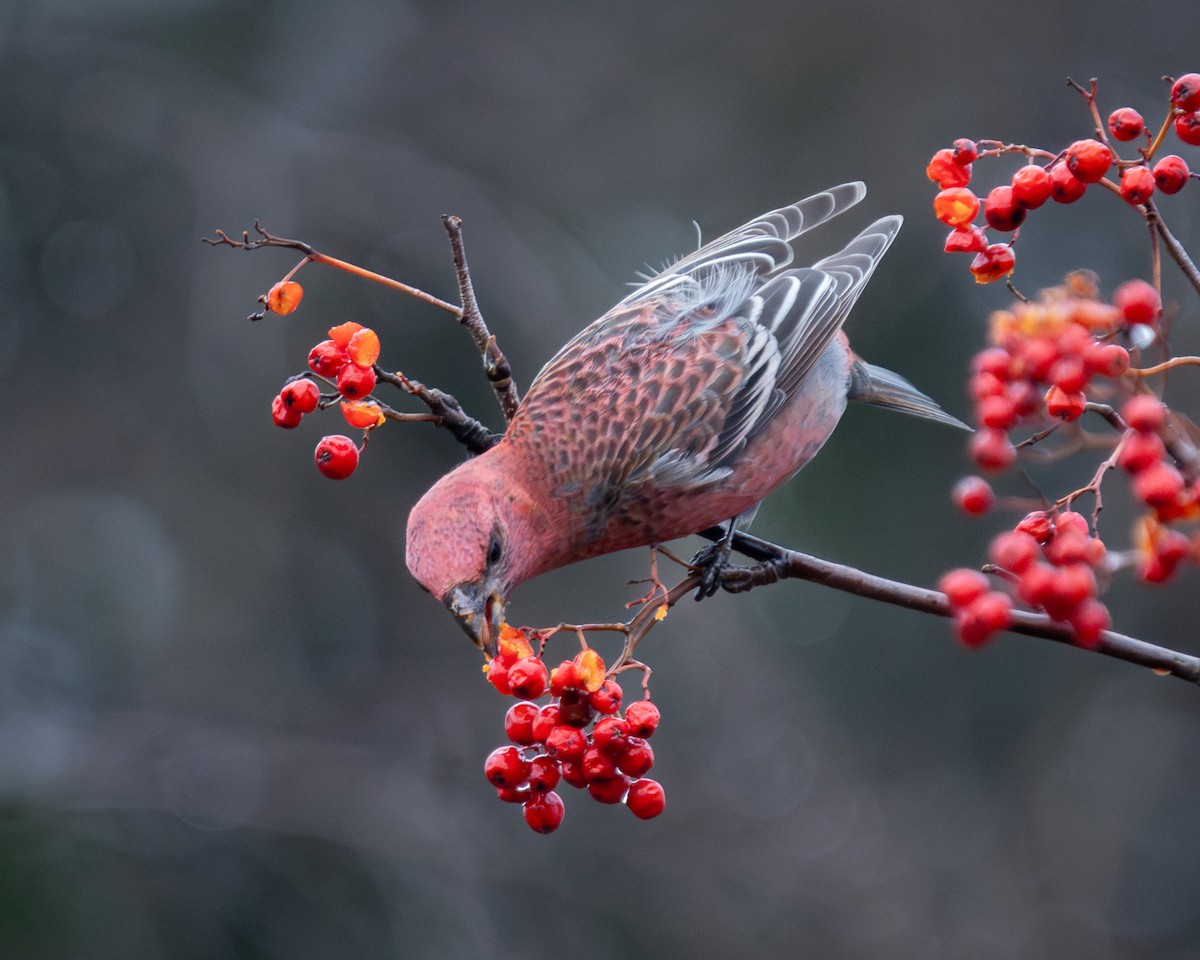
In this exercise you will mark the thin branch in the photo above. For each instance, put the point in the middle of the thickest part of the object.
(779, 563)
(446, 410)
(495, 364)
(1175, 248)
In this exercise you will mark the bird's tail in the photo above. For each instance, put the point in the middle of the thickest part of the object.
(882, 388)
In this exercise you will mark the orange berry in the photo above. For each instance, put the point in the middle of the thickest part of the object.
(342, 333)
(284, 297)
(956, 206)
(362, 413)
(363, 348)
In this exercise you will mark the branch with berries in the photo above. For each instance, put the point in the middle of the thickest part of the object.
(1068, 373)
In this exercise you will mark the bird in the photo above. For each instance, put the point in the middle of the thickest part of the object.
(681, 408)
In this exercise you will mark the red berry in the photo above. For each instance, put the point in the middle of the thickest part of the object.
(343, 333)
(598, 765)
(505, 767)
(999, 412)
(327, 358)
(994, 360)
(1068, 547)
(973, 495)
(1065, 187)
(543, 774)
(518, 722)
(284, 414)
(610, 734)
(607, 699)
(1108, 360)
(1138, 301)
(545, 722)
(978, 621)
(566, 743)
(984, 385)
(1068, 372)
(284, 297)
(1063, 405)
(642, 717)
(965, 151)
(337, 457)
(1140, 450)
(1126, 124)
(544, 812)
(646, 799)
(302, 395)
(963, 586)
(609, 791)
(1137, 184)
(1185, 94)
(1069, 587)
(1070, 521)
(355, 382)
(968, 239)
(1031, 186)
(636, 758)
(1144, 412)
(995, 263)
(1002, 211)
(946, 172)
(1158, 485)
(497, 674)
(1171, 173)
(1090, 619)
(1089, 160)
(514, 794)
(1036, 584)
(575, 709)
(956, 206)
(1187, 128)
(1038, 525)
(573, 774)
(1014, 551)
(527, 678)
(991, 449)
(564, 678)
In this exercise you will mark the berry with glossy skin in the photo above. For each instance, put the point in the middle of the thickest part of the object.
(497, 676)
(1137, 184)
(607, 699)
(337, 457)
(544, 774)
(566, 743)
(642, 718)
(1002, 211)
(609, 791)
(284, 414)
(527, 678)
(945, 171)
(956, 206)
(995, 263)
(1038, 525)
(363, 347)
(968, 239)
(1187, 128)
(355, 382)
(505, 767)
(974, 496)
(645, 799)
(636, 758)
(1065, 187)
(518, 722)
(1063, 405)
(1185, 93)
(302, 395)
(1126, 124)
(1144, 412)
(544, 812)
(548, 718)
(362, 414)
(1138, 301)
(284, 297)
(327, 358)
(1171, 174)
(564, 679)
(1031, 186)
(343, 332)
(610, 734)
(1089, 160)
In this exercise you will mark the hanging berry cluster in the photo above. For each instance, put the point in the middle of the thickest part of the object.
(1063, 176)
(579, 737)
(1066, 353)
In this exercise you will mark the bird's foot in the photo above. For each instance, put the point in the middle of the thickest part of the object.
(711, 562)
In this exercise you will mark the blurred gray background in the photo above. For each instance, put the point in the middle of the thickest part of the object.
(230, 724)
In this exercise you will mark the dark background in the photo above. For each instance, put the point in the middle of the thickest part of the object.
(232, 726)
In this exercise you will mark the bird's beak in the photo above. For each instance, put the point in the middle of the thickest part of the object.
(478, 614)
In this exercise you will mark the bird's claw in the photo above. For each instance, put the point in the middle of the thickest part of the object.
(711, 563)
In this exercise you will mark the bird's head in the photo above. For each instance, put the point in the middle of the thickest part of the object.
(470, 541)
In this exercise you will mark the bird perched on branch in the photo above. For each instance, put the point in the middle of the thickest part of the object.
(679, 409)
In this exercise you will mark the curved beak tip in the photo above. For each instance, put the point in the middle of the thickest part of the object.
(479, 616)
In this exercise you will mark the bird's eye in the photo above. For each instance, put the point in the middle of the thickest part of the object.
(494, 550)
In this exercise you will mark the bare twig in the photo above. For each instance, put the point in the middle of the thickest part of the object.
(446, 412)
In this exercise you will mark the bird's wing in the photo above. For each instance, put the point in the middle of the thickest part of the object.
(667, 388)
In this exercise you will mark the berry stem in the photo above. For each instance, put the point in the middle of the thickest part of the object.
(1167, 123)
(1164, 366)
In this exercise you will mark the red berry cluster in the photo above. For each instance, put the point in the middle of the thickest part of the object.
(345, 360)
(1062, 177)
(579, 736)
(1046, 356)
